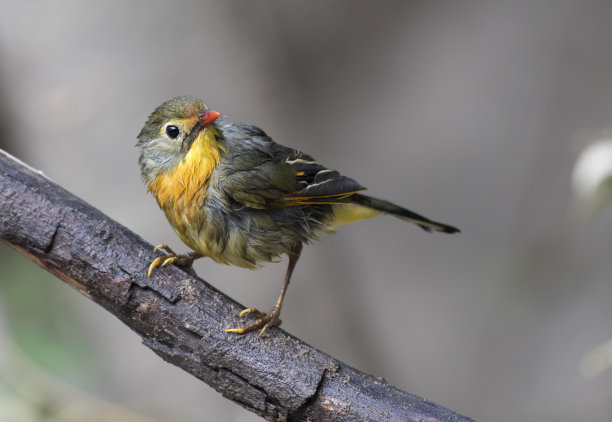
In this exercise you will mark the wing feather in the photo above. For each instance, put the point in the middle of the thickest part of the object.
(259, 173)
(315, 183)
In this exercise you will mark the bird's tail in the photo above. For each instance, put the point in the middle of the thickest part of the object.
(399, 212)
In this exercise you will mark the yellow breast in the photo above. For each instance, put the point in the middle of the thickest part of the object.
(180, 192)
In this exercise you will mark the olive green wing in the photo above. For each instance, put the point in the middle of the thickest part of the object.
(258, 173)
(262, 186)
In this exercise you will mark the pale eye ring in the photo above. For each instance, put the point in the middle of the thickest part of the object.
(172, 131)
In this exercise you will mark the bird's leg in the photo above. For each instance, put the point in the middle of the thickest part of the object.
(171, 257)
(270, 319)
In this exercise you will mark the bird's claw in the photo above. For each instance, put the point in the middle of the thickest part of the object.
(253, 311)
(171, 258)
(169, 261)
(165, 248)
(154, 264)
(267, 320)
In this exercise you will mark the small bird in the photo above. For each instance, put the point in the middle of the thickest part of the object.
(233, 194)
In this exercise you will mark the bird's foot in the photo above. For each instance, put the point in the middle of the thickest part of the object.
(267, 320)
(171, 257)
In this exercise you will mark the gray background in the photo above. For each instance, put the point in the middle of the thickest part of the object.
(469, 112)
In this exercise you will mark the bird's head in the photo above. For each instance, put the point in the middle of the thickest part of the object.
(170, 131)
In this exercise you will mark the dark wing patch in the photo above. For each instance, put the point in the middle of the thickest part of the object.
(315, 183)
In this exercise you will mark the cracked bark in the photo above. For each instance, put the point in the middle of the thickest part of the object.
(182, 318)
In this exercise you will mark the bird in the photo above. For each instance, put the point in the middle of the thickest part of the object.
(234, 195)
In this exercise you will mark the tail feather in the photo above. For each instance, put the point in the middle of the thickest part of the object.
(399, 212)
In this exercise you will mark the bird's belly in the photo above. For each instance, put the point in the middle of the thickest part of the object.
(244, 237)
(243, 240)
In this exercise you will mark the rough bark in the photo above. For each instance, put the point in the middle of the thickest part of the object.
(182, 318)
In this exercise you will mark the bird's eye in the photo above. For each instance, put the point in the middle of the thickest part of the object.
(172, 131)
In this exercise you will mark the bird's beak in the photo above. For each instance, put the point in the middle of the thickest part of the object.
(208, 116)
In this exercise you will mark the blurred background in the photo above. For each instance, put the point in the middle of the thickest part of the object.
(472, 113)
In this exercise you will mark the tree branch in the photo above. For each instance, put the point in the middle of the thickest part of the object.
(182, 318)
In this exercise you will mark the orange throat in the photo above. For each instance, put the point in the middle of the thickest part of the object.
(178, 187)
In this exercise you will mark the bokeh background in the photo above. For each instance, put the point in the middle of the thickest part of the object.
(471, 112)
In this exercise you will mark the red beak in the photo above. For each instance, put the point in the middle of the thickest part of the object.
(209, 116)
